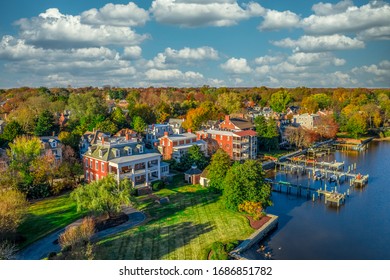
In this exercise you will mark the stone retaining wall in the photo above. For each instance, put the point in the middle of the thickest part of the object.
(257, 236)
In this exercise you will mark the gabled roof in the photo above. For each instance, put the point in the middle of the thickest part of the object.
(242, 123)
(246, 133)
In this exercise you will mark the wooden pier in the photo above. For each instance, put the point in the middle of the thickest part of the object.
(287, 187)
(360, 180)
(331, 196)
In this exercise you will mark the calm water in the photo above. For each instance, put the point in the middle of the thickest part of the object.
(360, 229)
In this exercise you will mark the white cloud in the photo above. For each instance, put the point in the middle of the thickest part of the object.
(116, 15)
(193, 13)
(132, 52)
(171, 75)
(268, 59)
(188, 54)
(315, 59)
(354, 19)
(274, 20)
(262, 70)
(380, 70)
(375, 33)
(55, 30)
(236, 66)
(325, 9)
(320, 43)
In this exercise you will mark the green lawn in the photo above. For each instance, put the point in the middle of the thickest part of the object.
(46, 216)
(184, 229)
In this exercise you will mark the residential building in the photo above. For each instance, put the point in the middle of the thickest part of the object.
(176, 145)
(52, 146)
(176, 125)
(124, 158)
(235, 123)
(308, 121)
(239, 145)
(155, 132)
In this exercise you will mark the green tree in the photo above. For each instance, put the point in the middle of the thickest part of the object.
(139, 124)
(219, 166)
(193, 156)
(245, 182)
(45, 124)
(104, 196)
(118, 118)
(11, 131)
(268, 133)
(356, 125)
(279, 101)
(107, 126)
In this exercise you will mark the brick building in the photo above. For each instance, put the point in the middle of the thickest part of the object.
(235, 124)
(124, 158)
(176, 145)
(239, 145)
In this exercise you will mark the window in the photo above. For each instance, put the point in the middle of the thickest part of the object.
(53, 144)
(117, 153)
(102, 166)
(141, 149)
(100, 153)
(90, 163)
(96, 165)
(86, 164)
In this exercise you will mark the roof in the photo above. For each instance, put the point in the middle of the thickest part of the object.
(108, 152)
(185, 146)
(134, 158)
(46, 139)
(242, 123)
(246, 133)
(193, 171)
(183, 136)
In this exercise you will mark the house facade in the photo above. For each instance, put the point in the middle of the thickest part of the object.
(176, 145)
(234, 124)
(123, 158)
(239, 145)
(156, 131)
(308, 121)
(50, 145)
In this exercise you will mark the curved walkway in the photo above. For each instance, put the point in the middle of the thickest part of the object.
(41, 248)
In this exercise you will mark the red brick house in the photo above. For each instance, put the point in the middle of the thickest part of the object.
(176, 145)
(236, 124)
(239, 145)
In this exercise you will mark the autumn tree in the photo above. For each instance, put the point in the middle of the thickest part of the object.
(356, 125)
(326, 127)
(13, 207)
(246, 182)
(219, 166)
(297, 136)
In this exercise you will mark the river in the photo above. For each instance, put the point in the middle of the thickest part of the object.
(359, 229)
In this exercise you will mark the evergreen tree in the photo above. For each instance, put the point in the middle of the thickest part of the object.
(45, 124)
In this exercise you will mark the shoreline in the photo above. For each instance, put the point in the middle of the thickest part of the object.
(381, 139)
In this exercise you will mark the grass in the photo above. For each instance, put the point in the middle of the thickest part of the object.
(47, 215)
(184, 229)
(275, 153)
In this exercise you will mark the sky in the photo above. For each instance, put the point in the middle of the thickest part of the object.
(191, 43)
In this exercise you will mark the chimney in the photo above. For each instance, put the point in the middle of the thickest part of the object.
(227, 118)
(128, 137)
(102, 140)
(54, 133)
(189, 130)
(166, 133)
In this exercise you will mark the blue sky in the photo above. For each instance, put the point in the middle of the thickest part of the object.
(186, 43)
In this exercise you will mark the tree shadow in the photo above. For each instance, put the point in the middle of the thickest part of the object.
(154, 242)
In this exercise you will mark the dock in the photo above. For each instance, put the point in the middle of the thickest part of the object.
(360, 181)
(331, 196)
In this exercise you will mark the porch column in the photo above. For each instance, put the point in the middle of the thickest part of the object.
(158, 169)
(117, 173)
(132, 175)
(146, 172)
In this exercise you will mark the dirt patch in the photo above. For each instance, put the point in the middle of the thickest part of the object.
(259, 223)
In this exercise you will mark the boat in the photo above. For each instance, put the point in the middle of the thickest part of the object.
(318, 175)
(333, 178)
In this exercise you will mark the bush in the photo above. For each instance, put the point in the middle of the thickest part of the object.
(158, 185)
(254, 209)
(220, 251)
(76, 236)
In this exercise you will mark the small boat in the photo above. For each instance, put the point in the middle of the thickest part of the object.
(318, 175)
(333, 178)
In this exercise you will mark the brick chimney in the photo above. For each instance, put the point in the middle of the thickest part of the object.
(102, 140)
(127, 136)
(227, 118)
(189, 130)
(166, 133)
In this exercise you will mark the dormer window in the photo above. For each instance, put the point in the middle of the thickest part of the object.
(100, 153)
(53, 144)
(141, 149)
(117, 153)
(129, 151)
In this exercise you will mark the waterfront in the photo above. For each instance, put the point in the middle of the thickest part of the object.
(359, 229)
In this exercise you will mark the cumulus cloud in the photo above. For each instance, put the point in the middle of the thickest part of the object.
(320, 43)
(236, 66)
(53, 29)
(381, 71)
(316, 59)
(267, 59)
(171, 75)
(375, 33)
(193, 13)
(116, 15)
(326, 9)
(132, 52)
(375, 14)
(274, 20)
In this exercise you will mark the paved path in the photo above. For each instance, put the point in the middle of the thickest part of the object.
(41, 248)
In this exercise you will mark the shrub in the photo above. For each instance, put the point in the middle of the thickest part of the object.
(254, 209)
(158, 185)
(77, 235)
